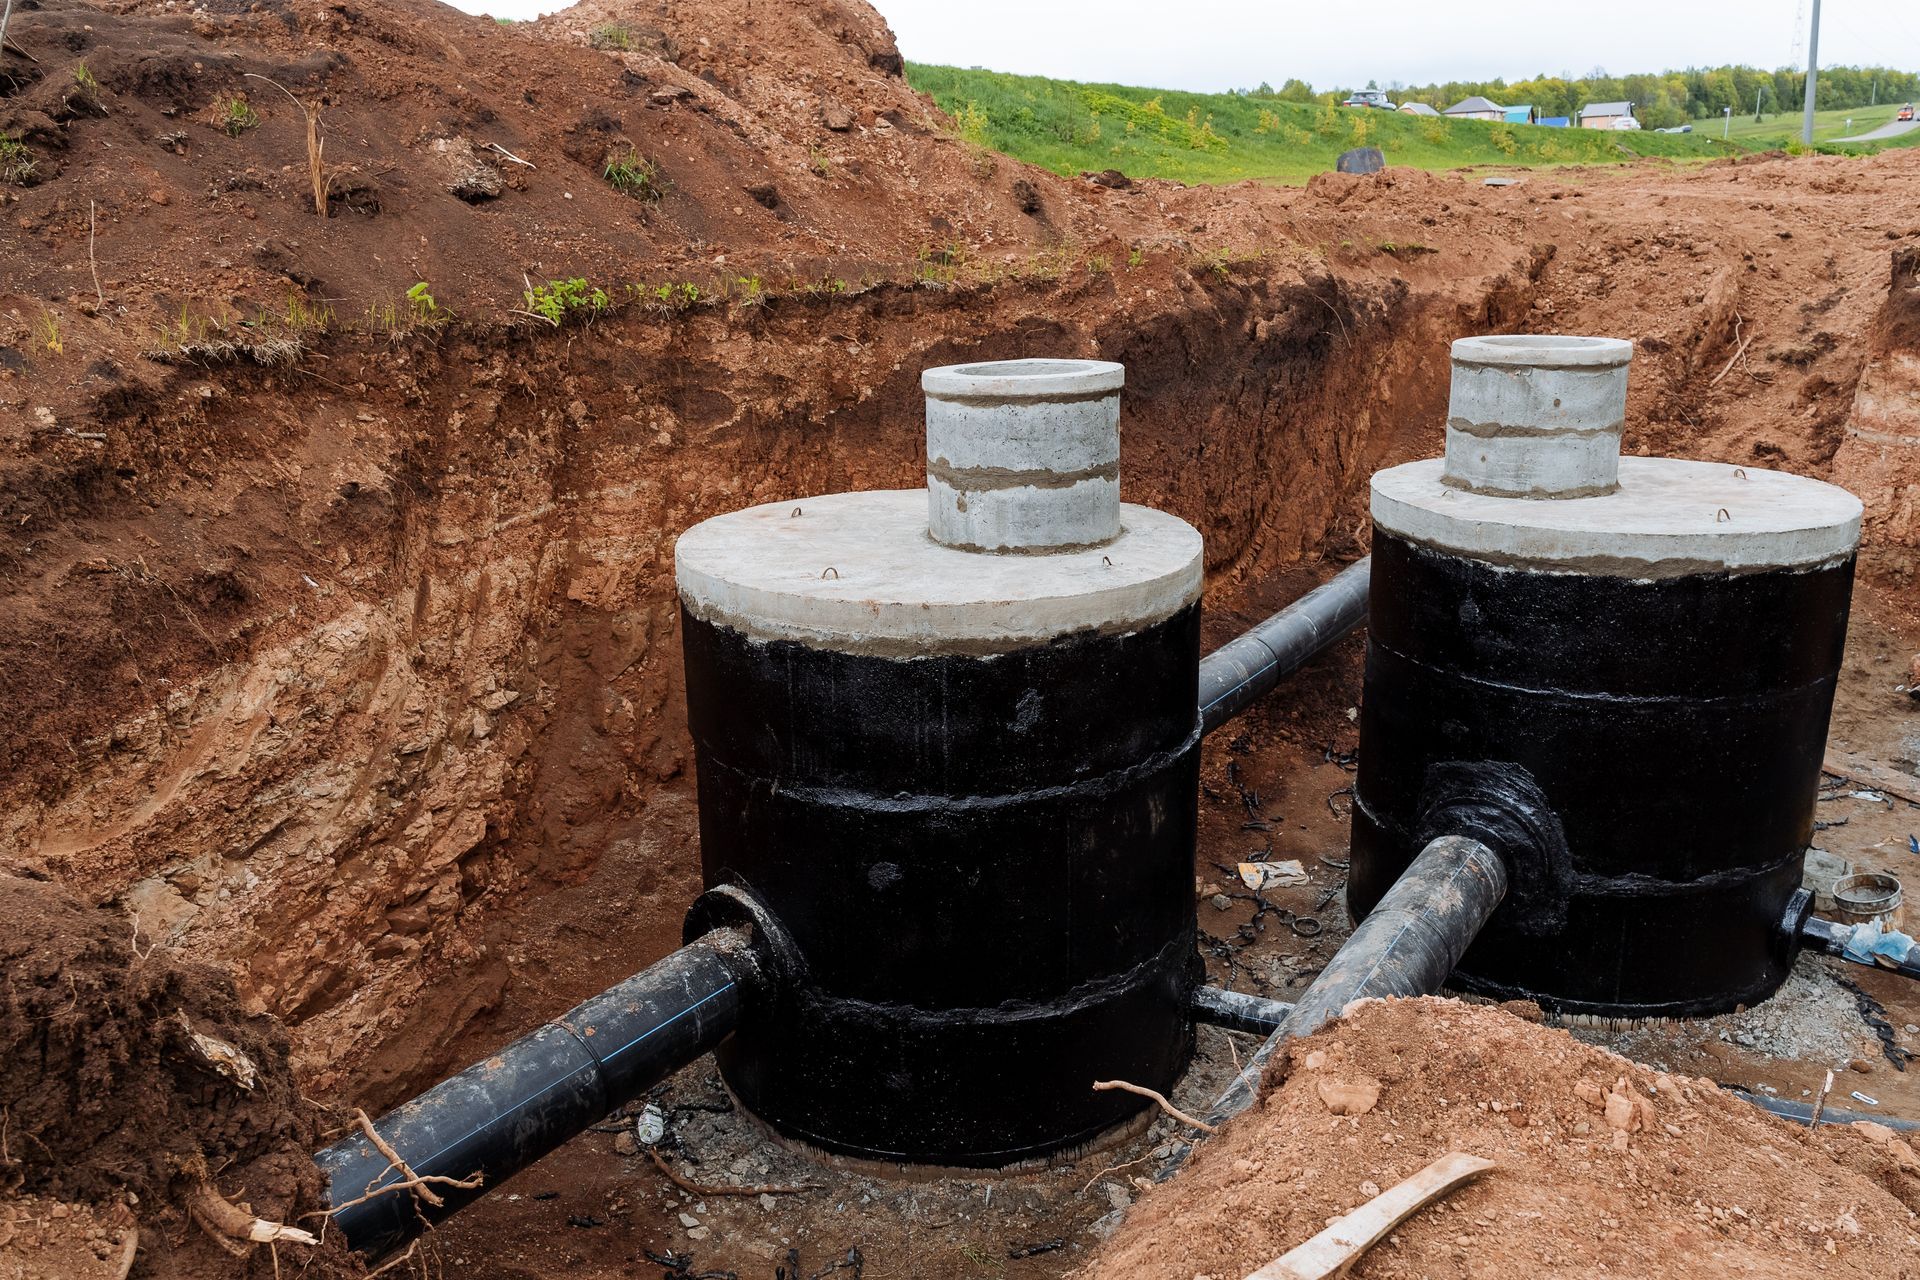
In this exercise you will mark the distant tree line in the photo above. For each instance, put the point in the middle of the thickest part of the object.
(1662, 100)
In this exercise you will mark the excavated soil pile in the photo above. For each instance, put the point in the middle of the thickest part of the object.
(1603, 1166)
(129, 1082)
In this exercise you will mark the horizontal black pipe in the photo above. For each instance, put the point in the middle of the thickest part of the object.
(503, 1113)
(1241, 671)
(1237, 1010)
(1406, 946)
(1803, 1112)
(1830, 938)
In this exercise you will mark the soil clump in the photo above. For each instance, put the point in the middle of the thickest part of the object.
(1603, 1166)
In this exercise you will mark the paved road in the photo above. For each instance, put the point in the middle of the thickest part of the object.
(1891, 129)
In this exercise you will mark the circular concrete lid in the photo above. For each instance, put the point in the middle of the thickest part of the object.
(1023, 379)
(1669, 517)
(858, 573)
(1543, 350)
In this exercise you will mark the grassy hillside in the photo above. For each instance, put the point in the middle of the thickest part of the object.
(1204, 137)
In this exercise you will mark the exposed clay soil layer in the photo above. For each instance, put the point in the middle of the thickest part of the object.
(1602, 1166)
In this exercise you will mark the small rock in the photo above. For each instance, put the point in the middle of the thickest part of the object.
(1221, 902)
(688, 1220)
(1350, 1097)
(625, 1144)
(470, 176)
(159, 197)
(1369, 1189)
(698, 1233)
(767, 1202)
(836, 117)
(668, 96)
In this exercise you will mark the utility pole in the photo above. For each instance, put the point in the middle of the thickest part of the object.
(1813, 74)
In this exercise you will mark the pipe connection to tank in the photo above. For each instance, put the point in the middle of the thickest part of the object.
(442, 1150)
(1406, 946)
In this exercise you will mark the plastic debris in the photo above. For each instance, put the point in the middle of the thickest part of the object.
(1858, 1096)
(651, 1126)
(1261, 876)
(1913, 844)
(1874, 943)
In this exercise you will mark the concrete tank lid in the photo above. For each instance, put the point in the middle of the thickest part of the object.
(1022, 379)
(895, 592)
(1668, 518)
(1543, 351)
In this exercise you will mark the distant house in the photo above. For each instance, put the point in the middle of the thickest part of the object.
(1608, 115)
(1555, 122)
(1476, 108)
(1418, 109)
(1521, 115)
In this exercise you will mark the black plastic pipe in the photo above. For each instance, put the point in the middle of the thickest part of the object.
(1788, 1109)
(1406, 946)
(503, 1113)
(1237, 1010)
(1241, 671)
(1830, 938)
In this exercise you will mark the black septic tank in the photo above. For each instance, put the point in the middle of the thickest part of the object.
(949, 738)
(1645, 647)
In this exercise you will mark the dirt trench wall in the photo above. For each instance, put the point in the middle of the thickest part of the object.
(1879, 459)
(439, 741)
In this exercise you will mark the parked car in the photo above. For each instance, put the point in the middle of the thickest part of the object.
(1626, 122)
(1368, 98)
(1906, 112)
(1678, 128)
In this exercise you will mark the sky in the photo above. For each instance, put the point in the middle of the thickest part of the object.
(1210, 45)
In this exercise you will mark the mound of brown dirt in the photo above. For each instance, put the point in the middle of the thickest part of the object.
(127, 1081)
(1603, 1166)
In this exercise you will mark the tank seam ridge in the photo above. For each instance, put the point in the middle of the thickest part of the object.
(895, 803)
(1609, 699)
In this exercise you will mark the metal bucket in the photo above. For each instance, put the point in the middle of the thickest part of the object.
(1866, 897)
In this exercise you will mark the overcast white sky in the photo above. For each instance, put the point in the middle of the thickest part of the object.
(1229, 44)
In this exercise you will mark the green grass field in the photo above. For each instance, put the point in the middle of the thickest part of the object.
(1200, 137)
(1778, 129)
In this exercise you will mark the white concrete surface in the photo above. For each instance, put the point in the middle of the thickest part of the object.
(894, 591)
(1537, 415)
(1667, 518)
(1023, 454)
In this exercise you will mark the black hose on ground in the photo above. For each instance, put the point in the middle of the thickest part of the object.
(1406, 946)
(1802, 1112)
(503, 1113)
(1237, 1010)
(1244, 669)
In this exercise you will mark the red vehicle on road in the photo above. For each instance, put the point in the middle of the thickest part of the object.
(1906, 113)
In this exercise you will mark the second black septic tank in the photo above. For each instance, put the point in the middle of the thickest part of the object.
(949, 737)
(1645, 648)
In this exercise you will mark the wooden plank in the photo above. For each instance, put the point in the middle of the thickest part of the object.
(1873, 777)
(1331, 1252)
